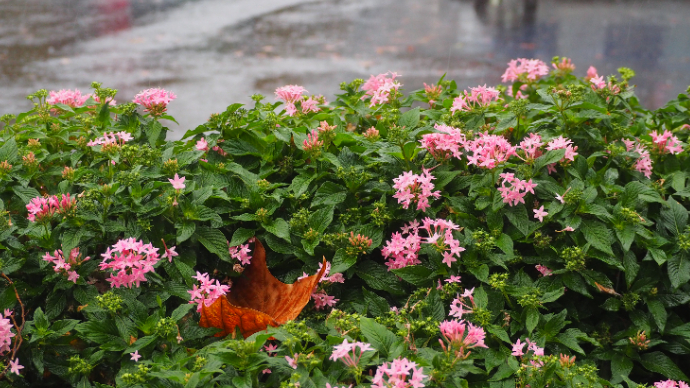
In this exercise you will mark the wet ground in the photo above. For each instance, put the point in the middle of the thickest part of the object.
(212, 53)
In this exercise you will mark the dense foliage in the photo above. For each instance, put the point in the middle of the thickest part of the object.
(474, 239)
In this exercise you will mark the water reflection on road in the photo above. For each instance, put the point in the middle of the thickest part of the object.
(215, 52)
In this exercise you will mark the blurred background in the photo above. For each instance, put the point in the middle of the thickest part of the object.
(212, 53)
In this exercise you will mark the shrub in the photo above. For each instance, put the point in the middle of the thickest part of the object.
(473, 238)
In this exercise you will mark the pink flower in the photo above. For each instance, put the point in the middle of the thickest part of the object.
(322, 300)
(401, 251)
(591, 73)
(525, 69)
(135, 356)
(565, 65)
(64, 266)
(567, 229)
(517, 348)
(453, 279)
(177, 182)
(598, 82)
(563, 143)
(544, 271)
(154, 100)
(310, 105)
(488, 151)
(401, 373)
(128, 261)
(312, 145)
(515, 193)
(371, 134)
(478, 97)
(461, 335)
(71, 98)
(266, 371)
(111, 139)
(415, 188)
(443, 145)
(241, 253)
(531, 146)
(290, 94)
(379, 88)
(644, 163)
(15, 367)
(666, 143)
(458, 308)
(540, 213)
(43, 208)
(347, 354)
(202, 145)
(207, 292)
(292, 361)
(5, 334)
(169, 252)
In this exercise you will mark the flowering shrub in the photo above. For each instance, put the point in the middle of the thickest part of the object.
(529, 234)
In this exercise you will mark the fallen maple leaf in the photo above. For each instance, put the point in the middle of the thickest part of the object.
(258, 299)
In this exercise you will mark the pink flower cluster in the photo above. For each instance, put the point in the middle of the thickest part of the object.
(320, 297)
(563, 143)
(518, 348)
(527, 69)
(445, 144)
(379, 87)
(118, 138)
(292, 94)
(6, 332)
(513, 190)
(402, 373)
(65, 266)
(462, 336)
(459, 306)
(402, 251)
(347, 354)
(71, 98)
(644, 163)
(531, 146)
(154, 100)
(488, 151)
(479, 96)
(312, 144)
(128, 260)
(666, 143)
(671, 384)
(415, 188)
(207, 291)
(43, 208)
(241, 253)
(565, 65)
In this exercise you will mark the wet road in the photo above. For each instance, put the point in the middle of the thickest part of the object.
(212, 53)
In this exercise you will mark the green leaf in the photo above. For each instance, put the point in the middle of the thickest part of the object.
(505, 243)
(279, 228)
(376, 305)
(26, 193)
(181, 311)
(9, 151)
(240, 236)
(418, 275)
(329, 194)
(678, 270)
(658, 313)
(377, 335)
(531, 319)
(300, 184)
(153, 132)
(321, 219)
(517, 215)
(598, 235)
(379, 278)
(621, 366)
(569, 339)
(215, 241)
(548, 158)
(185, 231)
(674, 217)
(660, 363)
(409, 119)
(342, 261)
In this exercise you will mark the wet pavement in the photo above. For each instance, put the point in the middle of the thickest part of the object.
(212, 53)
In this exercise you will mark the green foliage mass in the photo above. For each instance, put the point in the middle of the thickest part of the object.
(616, 297)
